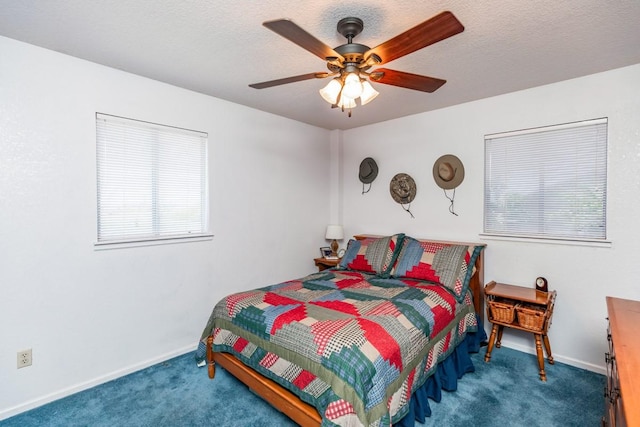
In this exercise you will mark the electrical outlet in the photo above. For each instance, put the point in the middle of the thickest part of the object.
(24, 358)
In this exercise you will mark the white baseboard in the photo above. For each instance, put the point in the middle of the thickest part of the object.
(31, 404)
(558, 357)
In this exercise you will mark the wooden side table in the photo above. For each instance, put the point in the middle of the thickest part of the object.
(324, 263)
(520, 308)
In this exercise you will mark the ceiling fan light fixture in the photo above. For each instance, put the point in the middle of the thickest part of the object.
(352, 86)
(352, 61)
(368, 93)
(331, 91)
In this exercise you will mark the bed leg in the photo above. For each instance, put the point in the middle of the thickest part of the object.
(210, 362)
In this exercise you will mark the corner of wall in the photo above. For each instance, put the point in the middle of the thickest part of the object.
(336, 177)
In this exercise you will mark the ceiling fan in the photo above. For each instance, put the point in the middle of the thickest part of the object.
(349, 63)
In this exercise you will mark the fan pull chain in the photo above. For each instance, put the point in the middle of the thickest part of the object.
(348, 112)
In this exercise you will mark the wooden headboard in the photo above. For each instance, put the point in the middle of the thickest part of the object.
(476, 285)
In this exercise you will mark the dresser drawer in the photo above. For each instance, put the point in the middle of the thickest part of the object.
(622, 389)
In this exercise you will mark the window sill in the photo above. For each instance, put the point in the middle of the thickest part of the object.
(548, 241)
(101, 246)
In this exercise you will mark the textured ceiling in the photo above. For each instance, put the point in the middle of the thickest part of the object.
(219, 47)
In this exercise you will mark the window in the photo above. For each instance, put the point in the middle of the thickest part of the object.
(547, 182)
(152, 181)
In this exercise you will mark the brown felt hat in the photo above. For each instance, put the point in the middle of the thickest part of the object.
(448, 172)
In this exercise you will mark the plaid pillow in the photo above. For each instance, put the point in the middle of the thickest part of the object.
(447, 264)
(372, 255)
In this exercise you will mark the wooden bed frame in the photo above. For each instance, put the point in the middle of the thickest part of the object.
(287, 402)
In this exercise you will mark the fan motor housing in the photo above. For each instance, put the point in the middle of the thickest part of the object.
(352, 52)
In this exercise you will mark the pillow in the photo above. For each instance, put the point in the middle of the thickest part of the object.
(448, 264)
(372, 255)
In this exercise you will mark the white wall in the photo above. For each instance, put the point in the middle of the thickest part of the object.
(582, 276)
(92, 315)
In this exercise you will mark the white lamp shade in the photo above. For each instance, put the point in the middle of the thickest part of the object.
(346, 102)
(334, 232)
(331, 91)
(352, 86)
(368, 93)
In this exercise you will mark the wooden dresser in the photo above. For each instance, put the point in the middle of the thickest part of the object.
(622, 392)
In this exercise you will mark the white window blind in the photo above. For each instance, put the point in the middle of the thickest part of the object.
(547, 182)
(152, 181)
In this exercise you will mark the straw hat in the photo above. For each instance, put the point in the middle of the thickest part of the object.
(448, 172)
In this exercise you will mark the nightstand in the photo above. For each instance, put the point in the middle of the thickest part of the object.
(324, 263)
(521, 308)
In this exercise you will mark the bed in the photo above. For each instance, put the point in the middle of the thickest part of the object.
(359, 344)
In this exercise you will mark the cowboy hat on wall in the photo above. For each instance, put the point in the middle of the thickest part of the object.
(448, 173)
(368, 172)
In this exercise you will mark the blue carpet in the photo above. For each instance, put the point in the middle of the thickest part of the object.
(504, 392)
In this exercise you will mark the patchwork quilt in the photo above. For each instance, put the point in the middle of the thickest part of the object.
(352, 344)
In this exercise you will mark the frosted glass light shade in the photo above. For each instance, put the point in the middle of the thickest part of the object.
(352, 86)
(368, 93)
(331, 91)
(344, 92)
(334, 232)
(346, 102)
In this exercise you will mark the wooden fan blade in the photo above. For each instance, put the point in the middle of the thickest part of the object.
(406, 80)
(422, 35)
(286, 80)
(292, 32)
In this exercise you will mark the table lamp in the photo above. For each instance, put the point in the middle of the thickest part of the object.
(335, 233)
